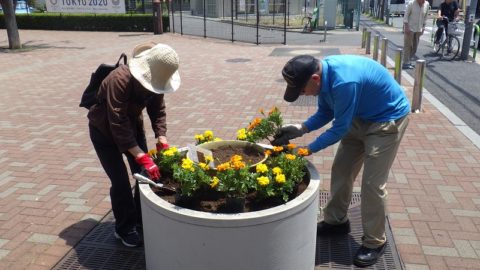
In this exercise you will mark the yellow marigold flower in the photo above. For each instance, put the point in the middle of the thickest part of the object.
(277, 170)
(223, 167)
(263, 181)
(187, 164)
(236, 158)
(173, 149)
(199, 137)
(291, 146)
(290, 156)
(237, 165)
(261, 168)
(303, 152)
(152, 152)
(208, 134)
(217, 139)
(168, 153)
(214, 182)
(268, 152)
(208, 159)
(241, 134)
(204, 166)
(278, 148)
(280, 178)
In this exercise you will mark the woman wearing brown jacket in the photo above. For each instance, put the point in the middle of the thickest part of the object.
(116, 127)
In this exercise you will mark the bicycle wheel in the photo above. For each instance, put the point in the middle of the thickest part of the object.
(306, 22)
(450, 52)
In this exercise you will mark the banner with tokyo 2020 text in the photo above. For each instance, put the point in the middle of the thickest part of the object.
(86, 6)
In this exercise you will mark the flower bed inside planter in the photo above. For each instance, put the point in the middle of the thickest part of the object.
(207, 199)
(216, 173)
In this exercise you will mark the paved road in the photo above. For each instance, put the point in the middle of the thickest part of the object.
(454, 83)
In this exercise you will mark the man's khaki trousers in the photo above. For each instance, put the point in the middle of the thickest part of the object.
(373, 145)
(410, 45)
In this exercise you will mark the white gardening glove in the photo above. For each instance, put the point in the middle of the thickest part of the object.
(289, 132)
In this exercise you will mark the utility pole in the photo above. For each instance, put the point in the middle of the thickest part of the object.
(469, 20)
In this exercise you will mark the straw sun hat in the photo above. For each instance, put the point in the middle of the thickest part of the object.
(155, 67)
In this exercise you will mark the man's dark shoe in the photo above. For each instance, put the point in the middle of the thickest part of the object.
(130, 239)
(368, 256)
(407, 66)
(326, 229)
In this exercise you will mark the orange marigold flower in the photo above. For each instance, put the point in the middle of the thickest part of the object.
(303, 152)
(237, 165)
(236, 158)
(254, 123)
(291, 146)
(268, 152)
(274, 109)
(223, 167)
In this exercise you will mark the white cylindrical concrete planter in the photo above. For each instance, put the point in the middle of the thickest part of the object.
(279, 238)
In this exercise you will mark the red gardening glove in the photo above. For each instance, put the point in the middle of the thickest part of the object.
(162, 146)
(146, 162)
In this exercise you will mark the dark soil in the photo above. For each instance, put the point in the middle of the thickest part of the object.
(250, 154)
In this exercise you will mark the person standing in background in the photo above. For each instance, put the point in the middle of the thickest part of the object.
(414, 25)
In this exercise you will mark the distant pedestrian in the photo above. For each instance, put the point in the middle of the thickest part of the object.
(448, 12)
(369, 114)
(116, 128)
(414, 21)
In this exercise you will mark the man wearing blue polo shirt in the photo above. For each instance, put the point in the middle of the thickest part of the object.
(369, 114)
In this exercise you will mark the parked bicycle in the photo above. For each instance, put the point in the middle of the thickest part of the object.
(307, 24)
(448, 46)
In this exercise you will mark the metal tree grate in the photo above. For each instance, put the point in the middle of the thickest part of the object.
(100, 250)
(336, 252)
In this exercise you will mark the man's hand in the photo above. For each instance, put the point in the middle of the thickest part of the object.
(147, 163)
(289, 132)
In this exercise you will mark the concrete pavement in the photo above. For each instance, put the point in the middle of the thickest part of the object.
(50, 178)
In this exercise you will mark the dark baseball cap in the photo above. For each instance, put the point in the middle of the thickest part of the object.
(296, 72)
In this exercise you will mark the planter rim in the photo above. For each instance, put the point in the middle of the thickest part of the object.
(238, 219)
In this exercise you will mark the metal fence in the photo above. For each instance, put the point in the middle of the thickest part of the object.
(252, 21)
(235, 20)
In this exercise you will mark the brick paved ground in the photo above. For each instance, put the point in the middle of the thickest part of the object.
(52, 189)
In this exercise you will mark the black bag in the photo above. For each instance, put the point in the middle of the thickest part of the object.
(89, 97)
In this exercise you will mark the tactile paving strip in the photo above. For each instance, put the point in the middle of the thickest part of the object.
(100, 250)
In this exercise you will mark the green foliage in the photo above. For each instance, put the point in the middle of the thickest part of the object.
(235, 182)
(262, 128)
(87, 22)
(191, 177)
(279, 176)
(166, 158)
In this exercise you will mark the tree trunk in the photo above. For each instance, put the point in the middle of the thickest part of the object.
(11, 24)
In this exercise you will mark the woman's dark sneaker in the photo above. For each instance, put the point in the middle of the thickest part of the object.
(130, 239)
